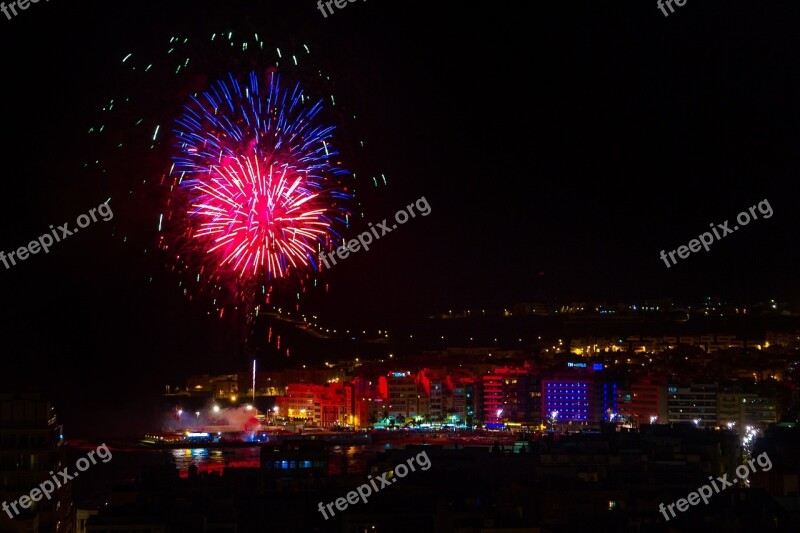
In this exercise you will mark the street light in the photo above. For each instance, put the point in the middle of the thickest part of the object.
(197, 414)
(553, 419)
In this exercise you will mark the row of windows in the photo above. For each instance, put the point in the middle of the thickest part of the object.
(294, 465)
(567, 409)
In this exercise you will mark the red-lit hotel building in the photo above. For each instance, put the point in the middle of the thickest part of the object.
(511, 395)
(493, 399)
(370, 407)
(319, 405)
(649, 400)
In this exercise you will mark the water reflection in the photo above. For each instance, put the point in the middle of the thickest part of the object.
(214, 460)
(343, 459)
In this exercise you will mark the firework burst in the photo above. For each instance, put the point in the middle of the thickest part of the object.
(259, 177)
(241, 179)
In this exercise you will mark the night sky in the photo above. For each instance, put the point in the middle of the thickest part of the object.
(560, 147)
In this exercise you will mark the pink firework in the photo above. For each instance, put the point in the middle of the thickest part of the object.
(263, 189)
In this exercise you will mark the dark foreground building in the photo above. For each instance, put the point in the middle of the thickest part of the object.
(31, 449)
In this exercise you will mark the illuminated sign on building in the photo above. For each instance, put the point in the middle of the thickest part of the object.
(576, 365)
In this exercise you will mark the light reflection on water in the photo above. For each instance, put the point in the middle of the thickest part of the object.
(214, 460)
(350, 458)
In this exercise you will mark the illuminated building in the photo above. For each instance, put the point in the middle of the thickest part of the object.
(455, 405)
(511, 395)
(225, 386)
(369, 407)
(649, 399)
(370, 410)
(745, 409)
(571, 397)
(580, 394)
(324, 406)
(606, 401)
(696, 403)
(492, 399)
(473, 392)
(434, 386)
(447, 399)
(405, 398)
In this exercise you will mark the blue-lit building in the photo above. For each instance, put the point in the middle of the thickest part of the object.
(568, 399)
(607, 400)
(581, 394)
